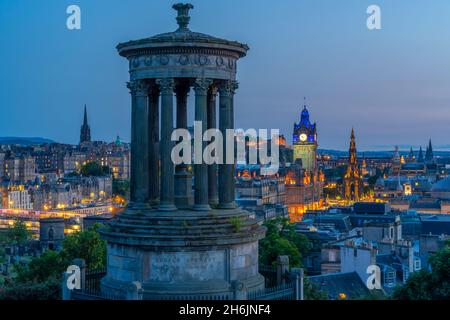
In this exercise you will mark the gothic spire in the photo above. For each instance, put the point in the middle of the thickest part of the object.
(352, 179)
(420, 157)
(429, 154)
(85, 132)
(352, 149)
(411, 155)
(85, 121)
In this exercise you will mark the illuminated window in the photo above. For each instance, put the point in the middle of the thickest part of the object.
(342, 296)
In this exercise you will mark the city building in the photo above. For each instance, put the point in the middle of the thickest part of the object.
(16, 197)
(304, 141)
(265, 195)
(304, 180)
(304, 190)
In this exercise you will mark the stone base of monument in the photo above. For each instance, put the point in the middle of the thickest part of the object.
(183, 254)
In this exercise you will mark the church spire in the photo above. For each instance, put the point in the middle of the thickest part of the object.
(85, 121)
(420, 157)
(352, 149)
(429, 153)
(85, 132)
(411, 157)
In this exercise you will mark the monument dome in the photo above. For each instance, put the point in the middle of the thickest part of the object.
(173, 242)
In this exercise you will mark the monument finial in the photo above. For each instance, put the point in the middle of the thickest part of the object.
(183, 15)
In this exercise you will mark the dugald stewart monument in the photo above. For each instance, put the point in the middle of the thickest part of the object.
(173, 242)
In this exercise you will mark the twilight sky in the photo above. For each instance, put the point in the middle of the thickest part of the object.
(392, 85)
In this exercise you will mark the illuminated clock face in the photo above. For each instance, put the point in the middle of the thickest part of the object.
(303, 137)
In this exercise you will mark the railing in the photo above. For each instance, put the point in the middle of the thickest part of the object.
(92, 280)
(281, 292)
(280, 285)
(93, 295)
(91, 288)
(270, 274)
(274, 275)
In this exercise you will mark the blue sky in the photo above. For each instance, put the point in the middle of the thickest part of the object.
(392, 85)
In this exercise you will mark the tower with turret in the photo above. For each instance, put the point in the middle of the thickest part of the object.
(304, 139)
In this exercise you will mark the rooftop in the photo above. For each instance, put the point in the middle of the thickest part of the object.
(339, 285)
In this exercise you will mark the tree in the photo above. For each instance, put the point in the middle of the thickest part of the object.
(282, 239)
(94, 169)
(121, 188)
(373, 295)
(18, 234)
(47, 266)
(41, 277)
(417, 287)
(426, 285)
(273, 246)
(86, 245)
(47, 290)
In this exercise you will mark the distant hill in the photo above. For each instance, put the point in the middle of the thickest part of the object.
(24, 140)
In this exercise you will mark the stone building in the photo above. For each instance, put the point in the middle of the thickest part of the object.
(305, 142)
(170, 249)
(51, 233)
(17, 197)
(19, 167)
(304, 190)
(304, 181)
(250, 184)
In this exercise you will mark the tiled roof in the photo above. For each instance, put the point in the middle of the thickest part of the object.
(336, 284)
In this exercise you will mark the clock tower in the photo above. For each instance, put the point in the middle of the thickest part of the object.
(305, 141)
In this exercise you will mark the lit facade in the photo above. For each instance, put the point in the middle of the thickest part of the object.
(305, 142)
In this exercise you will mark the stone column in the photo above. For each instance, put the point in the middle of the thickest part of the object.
(183, 178)
(139, 143)
(213, 197)
(166, 202)
(226, 171)
(153, 151)
(201, 87)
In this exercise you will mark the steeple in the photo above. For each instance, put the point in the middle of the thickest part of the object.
(85, 132)
(352, 185)
(85, 121)
(429, 153)
(352, 149)
(420, 157)
(411, 157)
